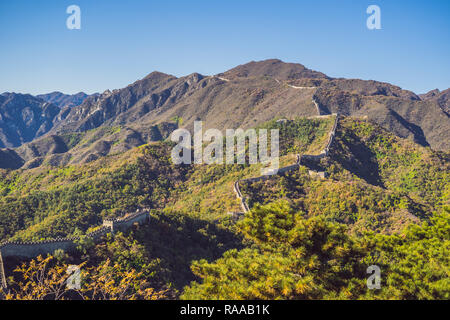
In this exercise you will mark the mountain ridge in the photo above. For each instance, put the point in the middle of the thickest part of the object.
(62, 100)
(246, 96)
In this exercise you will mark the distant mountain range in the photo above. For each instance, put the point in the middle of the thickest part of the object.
(244, 96)
(24, 117)
(62, 100)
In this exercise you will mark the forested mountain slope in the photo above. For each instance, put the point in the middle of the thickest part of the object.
(305, 237)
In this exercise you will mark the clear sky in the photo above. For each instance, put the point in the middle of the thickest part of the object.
(122, 41)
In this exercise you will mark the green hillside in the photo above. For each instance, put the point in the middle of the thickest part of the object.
(376, 181)
(58, 201)
(385, 202)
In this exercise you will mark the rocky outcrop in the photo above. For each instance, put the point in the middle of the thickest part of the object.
(24, 118)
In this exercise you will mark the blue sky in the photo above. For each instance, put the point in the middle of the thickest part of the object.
(122, 41)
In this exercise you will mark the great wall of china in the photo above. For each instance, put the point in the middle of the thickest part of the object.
(300, 161)
(31, 249)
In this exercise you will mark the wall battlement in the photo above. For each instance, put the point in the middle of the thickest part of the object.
(125, 222)
(31, 249)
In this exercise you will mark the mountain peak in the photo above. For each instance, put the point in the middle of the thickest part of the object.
(273, 68)
(194, 77)
(157, 75)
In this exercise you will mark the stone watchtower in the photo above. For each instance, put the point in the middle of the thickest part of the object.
(109, 223)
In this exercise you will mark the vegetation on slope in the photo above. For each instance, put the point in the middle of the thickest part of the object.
(298, 258)
(384, 203)
(55, 202)
(376, 181)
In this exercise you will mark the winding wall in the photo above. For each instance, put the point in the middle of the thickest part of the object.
(34, 248)
(295, 166)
